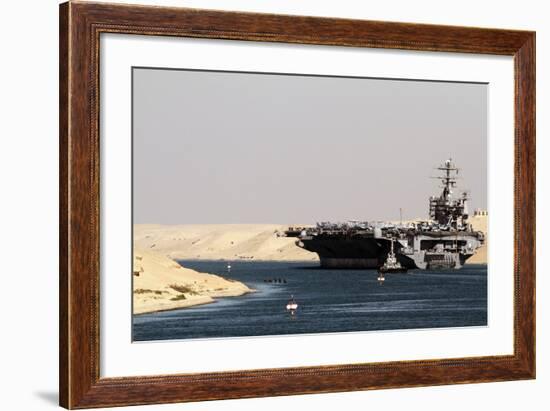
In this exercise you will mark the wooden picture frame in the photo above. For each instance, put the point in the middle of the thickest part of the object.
(80, 27)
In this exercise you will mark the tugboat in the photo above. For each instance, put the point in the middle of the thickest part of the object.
(292, 305)
(391, 265)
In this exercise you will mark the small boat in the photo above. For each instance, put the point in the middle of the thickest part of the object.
(228, 267)
(381, 278)
(292, 305)
(391, 265)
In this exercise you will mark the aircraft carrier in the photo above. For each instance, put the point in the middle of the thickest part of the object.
(445, 241)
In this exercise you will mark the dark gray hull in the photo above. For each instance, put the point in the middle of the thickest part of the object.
(341, 252)
(367, 252)
(351, 263)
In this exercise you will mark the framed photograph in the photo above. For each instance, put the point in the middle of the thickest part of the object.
(259, 205)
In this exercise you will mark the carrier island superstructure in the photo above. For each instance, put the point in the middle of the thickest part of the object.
(446, 240)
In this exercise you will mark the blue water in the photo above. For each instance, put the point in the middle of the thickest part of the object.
(329, 301)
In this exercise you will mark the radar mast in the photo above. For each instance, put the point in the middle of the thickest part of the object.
(445, 210)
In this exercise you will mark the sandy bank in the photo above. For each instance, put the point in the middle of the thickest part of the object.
(479, 223)
(162, 284)
(221, 241)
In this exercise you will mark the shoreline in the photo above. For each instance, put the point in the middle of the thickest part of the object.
(247, 260)
(162, 284)
(283, 261)
(213, 300)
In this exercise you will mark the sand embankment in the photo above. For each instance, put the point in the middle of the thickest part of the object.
(221, 241)
(162, 284)
(479, 223)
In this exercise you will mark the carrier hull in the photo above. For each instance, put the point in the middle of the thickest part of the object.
(348, 263)
(416, 251)
(338, 252)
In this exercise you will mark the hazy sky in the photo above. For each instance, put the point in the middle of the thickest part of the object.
(214, 147)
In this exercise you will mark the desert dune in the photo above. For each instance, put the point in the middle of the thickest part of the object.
(220, 241)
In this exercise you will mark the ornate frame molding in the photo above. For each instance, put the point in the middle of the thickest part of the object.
(81, 24)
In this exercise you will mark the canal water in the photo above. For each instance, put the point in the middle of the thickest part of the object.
(329, 301)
